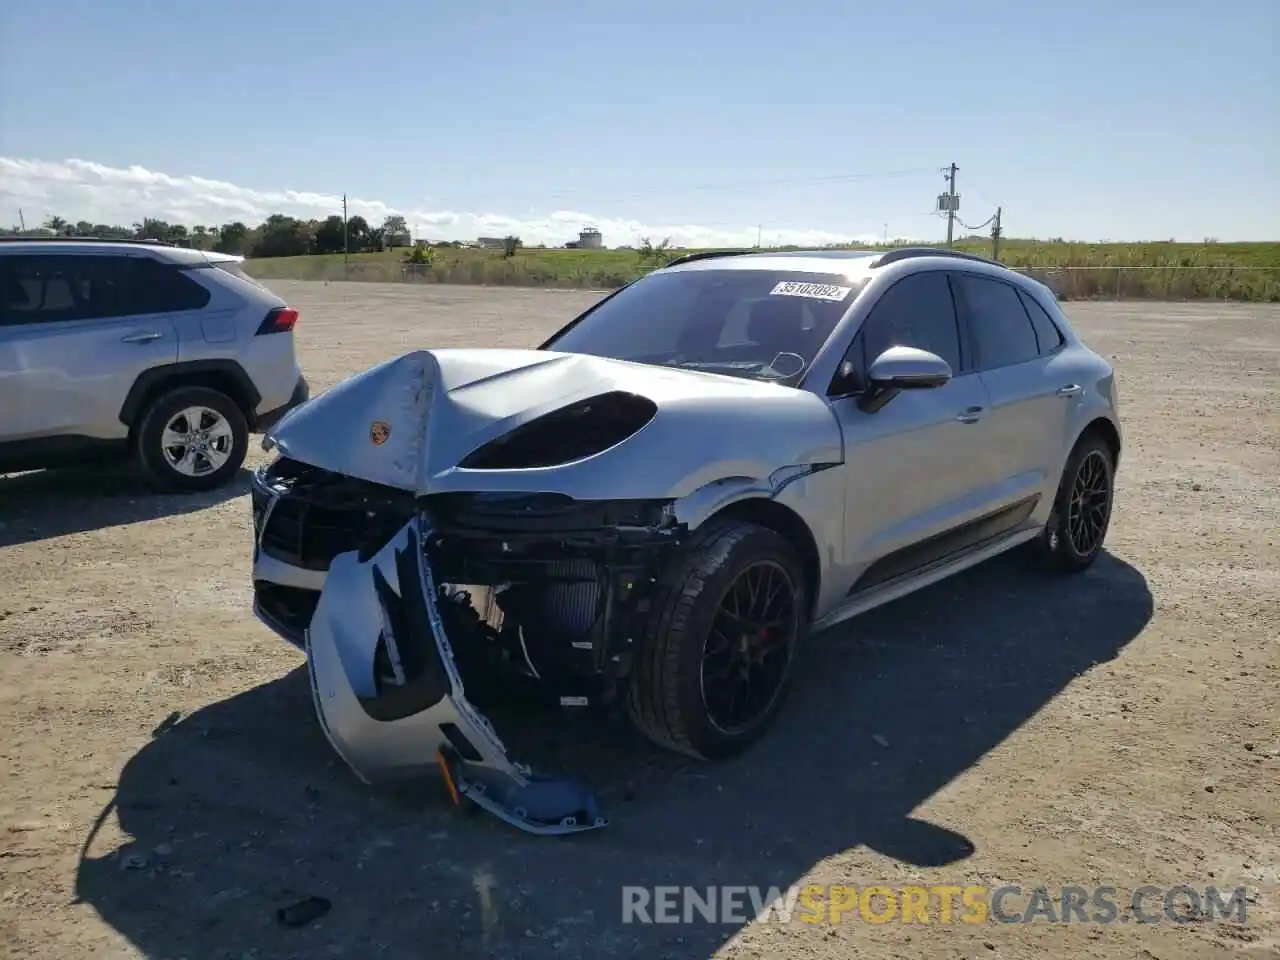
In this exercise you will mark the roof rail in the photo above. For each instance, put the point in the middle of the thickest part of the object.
(909, 253)
(707, 255)
(47, 239)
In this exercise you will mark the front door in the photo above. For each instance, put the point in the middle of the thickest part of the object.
(916, 469)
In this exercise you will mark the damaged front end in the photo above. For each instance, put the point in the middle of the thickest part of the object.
(496, 521)
(417, 612)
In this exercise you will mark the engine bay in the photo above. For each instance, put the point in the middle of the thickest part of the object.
(416, 613)
(541, 595)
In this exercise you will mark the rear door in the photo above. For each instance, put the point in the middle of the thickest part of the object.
(1027, 413)
(916, 469)
(76, 331)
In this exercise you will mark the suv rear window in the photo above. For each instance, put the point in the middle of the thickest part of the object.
(233, 267)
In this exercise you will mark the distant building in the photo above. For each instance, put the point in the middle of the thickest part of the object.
(491, 243)
(589, 238)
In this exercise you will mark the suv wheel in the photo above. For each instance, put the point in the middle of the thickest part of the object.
(191, 439)
(715, 660)
(1073, 537)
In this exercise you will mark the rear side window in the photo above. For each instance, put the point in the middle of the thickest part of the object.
(48, 289)
(999, 327)
(917, 311)
(1048, 335)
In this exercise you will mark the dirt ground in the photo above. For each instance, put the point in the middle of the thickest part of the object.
(166, 787)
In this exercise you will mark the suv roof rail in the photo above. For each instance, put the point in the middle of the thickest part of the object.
(909, 253)
(47, 239)
(707, 255)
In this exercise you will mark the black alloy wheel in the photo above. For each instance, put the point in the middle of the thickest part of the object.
(713, 664)
(1090, 505)
(1081, 516)
(747, 650)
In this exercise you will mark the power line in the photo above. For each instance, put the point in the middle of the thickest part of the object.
(789, 223)
(981, 226)
(733, 185)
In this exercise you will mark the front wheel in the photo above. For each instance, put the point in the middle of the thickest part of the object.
(714, 664)
(1077, 527)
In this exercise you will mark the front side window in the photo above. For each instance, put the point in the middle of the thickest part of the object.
(761, 324)
(999, 326)
(917, 311)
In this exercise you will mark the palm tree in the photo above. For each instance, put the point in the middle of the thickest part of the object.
(57, 225)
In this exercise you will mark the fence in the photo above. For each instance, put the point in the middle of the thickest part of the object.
(1152, 282)
(1159, 282)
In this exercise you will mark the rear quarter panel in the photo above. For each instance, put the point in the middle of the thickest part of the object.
(226, 328)
(1077, 363)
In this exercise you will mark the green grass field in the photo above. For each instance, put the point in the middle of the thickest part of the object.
(1163, 271)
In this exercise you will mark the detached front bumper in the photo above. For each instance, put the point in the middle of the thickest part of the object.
(285, 590)
(391, 702)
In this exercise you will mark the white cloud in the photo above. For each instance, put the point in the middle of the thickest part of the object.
(83, 190)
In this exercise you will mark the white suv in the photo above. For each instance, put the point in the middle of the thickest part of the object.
(139, 349)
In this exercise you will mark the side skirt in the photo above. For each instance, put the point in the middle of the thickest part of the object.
(900, 586)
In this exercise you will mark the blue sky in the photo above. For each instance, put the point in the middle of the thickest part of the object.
(1128, 119)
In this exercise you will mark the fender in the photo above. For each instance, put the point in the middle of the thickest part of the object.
(189, 370)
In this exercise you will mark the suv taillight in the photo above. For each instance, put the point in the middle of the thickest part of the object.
(279, 320)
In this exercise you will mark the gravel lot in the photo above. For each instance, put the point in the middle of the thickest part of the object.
(168, 790)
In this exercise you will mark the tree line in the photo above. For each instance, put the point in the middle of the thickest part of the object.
(277, 236)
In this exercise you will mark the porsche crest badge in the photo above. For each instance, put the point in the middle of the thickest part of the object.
(379, 430)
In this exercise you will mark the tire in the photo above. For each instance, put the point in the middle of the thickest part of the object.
(1058, 550)
(228, 438)
(665, 696)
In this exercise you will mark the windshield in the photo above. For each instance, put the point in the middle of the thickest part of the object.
(761, 324)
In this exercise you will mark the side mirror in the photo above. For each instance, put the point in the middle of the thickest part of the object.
(902, 368)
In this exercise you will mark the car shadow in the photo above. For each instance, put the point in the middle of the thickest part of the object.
(44, 504)
(241, 808)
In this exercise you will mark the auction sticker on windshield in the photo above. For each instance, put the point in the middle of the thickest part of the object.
(814, 291)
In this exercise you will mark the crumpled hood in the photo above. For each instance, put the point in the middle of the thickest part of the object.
(407, 423)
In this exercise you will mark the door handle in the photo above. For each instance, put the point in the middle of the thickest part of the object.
(143, 337)
(1070, 390)
(969, 415)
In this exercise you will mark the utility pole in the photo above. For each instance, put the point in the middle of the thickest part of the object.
(346, 254)
(759, 226)
(953, 203)
(995, 236)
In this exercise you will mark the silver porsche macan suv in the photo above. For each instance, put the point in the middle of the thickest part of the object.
(656, 505)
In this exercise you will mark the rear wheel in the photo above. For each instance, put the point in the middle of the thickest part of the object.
(1074, 535)
(714, 665)
(191, 439)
